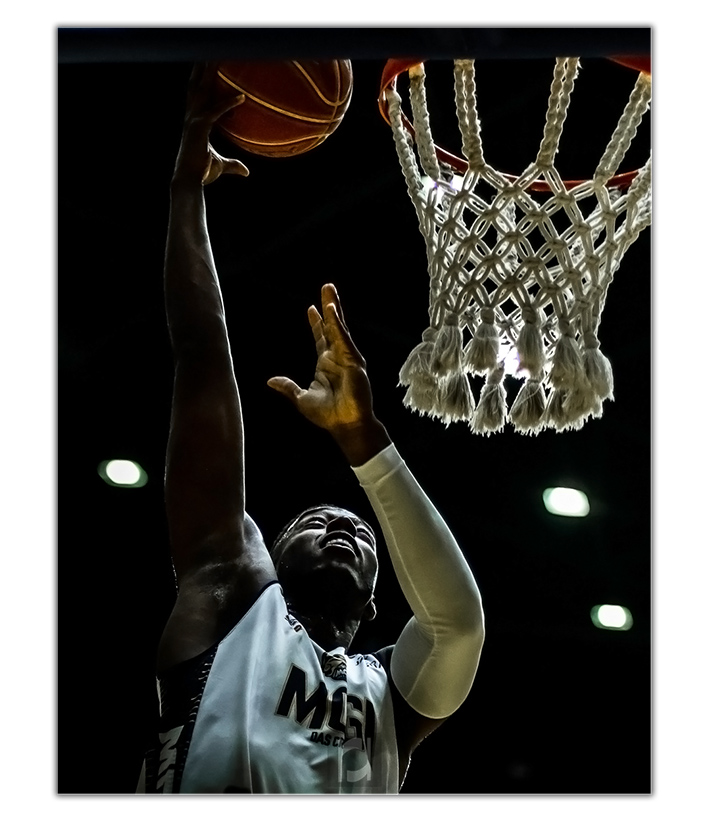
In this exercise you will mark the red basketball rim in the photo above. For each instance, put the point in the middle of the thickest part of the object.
(393, 68)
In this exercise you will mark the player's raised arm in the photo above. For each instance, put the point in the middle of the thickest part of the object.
(218, 554)
(434, 661)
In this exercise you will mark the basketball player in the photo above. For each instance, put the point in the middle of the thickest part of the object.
(258, 689)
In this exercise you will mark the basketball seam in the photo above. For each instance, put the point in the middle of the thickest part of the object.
(264, 143)
(335, 114)
(270, 106)
(338, 102)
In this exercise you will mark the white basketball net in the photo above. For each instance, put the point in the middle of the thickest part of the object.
(512, 276)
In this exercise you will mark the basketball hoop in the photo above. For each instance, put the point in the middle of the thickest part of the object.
(524, 278)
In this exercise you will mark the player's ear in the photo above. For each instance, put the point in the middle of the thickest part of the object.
(370, 610)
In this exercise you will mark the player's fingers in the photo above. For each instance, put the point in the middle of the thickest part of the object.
(318, 328)
(330, 295)
(287, 387)
(338, 332)
(333, 324)
(336, 326)
(224, 165)
(202, 79)
(207, 98)
(231, 166)
(225, 104)
(314, 317)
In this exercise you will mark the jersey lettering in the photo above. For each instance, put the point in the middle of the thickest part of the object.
(355, 703)
(336, 711)
(168, 754)
(320, 708)
(313, 706)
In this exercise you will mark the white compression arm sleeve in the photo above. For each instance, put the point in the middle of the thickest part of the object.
(436, 657)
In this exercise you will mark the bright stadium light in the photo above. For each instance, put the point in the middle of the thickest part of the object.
(612, 617)
(566, 502)
(122, 473)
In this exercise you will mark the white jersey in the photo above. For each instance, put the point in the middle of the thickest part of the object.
(267, 710)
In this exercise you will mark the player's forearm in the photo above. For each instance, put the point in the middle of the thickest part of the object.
(435, 660)
(429, 564)
(193, 300)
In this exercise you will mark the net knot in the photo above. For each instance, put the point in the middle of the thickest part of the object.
(564, 326)
(556, 245)
(447, 354)
(514, 237)
(530, 315)
(487, 314)
(583, 303)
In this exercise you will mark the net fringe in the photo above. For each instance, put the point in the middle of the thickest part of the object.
(505, 279)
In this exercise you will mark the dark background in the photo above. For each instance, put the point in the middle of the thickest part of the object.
(558, 706)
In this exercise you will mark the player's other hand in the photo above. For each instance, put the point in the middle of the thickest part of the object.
(340, 396)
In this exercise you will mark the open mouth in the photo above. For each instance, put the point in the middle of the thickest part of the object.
(339, 543)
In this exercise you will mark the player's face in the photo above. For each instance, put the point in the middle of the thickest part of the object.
(332, 539)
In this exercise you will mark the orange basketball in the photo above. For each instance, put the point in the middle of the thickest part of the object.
(290, 106)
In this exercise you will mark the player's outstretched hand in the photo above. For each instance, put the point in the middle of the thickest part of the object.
(340, 395)
(197, 160)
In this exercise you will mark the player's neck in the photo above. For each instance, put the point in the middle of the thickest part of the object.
(326, 631)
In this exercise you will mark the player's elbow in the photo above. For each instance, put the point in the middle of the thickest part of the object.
(473, 635)
(463, 637)
(434, 669)
(472, 630)
(464, 617)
